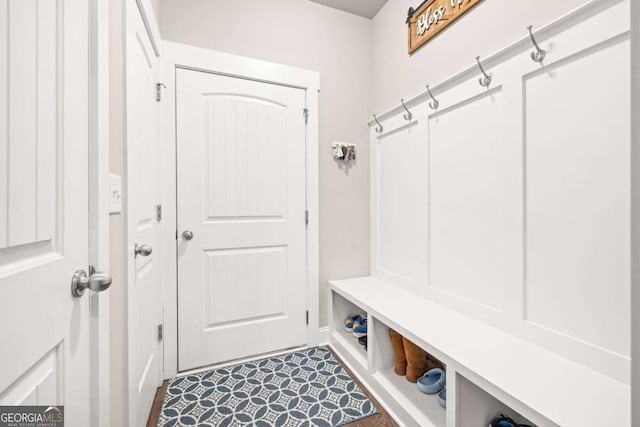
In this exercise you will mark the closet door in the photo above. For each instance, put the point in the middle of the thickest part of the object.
(144, 295)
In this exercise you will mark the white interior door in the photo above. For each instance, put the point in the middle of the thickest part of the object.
(241, 193)
(142, 197)
(44, 208)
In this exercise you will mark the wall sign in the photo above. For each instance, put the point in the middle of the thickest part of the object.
(433, 16)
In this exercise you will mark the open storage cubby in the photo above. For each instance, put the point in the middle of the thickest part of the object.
(476, 406)
(424, 408)
(339, 336)
(537, 386)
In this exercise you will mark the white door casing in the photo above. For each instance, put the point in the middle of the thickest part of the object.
(142, 195)
(241, 192)
(44, 204)
(177, 56)
(99, 198)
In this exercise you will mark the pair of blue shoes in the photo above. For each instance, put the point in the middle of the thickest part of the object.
(357, 325)
(434, 381)
(504, 421)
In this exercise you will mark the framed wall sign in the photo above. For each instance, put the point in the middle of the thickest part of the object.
(433, 16)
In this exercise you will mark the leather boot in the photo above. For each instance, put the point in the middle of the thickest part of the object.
(432, 363)
(400, 361)
(417, 363)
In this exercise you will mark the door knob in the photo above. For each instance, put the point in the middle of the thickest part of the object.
(187, 235)
(144, 250)
(98, 281)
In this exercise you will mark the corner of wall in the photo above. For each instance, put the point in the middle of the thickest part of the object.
(635, 212)
(118, 380)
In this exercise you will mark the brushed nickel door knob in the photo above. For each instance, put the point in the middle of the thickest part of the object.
(97, 282)
(144, 250)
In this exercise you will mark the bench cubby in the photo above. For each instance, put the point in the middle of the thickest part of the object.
(424, 408)
(489, 371)
(339, 337)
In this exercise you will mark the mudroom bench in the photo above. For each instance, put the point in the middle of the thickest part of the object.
(488, 370)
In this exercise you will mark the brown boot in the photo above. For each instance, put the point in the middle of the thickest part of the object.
(400, 365)
(416, 360)
(434, 363)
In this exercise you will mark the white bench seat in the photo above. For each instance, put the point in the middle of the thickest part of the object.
(561, 390)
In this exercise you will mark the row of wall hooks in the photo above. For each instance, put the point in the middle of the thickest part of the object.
(485, 81)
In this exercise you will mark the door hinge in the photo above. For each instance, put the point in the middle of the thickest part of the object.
(307, 317)
(305, 113)
(306, 217)
(160, 332)
(159, 87)
(159, 213)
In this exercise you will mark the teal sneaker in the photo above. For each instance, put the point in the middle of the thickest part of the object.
(352, 321)
(361, 329)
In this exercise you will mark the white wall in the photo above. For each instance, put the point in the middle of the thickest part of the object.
(118, 307)
(155, 5)
(337, 44)
(487, 28)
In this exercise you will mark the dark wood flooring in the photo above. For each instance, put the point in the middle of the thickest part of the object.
(154, 414)
(378, 420)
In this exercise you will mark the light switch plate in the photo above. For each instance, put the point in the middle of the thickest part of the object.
(115, 191)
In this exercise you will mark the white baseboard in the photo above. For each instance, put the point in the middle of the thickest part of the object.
(323, 335)
(239, 361)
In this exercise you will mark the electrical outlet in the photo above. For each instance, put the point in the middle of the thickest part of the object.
(115, 194)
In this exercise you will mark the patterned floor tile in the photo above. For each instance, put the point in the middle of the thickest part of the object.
(300, 389)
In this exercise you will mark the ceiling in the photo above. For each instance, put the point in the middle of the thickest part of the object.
(364, 8)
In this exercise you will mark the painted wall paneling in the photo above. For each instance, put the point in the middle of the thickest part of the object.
(399, 196)
(512, 203)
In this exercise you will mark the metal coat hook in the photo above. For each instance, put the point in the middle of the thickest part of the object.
(408, 115)
(485, 81)
(539, 54)
(435, 103)
(379, 128)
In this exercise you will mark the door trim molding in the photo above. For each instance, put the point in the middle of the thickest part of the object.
(98, 121)
(177, 55)
(635, 213)
(150, 24)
